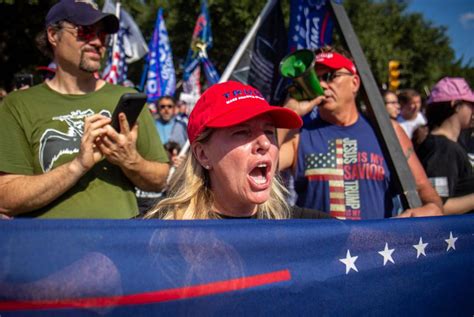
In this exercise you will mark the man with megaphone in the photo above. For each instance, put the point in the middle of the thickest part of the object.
(338, 163)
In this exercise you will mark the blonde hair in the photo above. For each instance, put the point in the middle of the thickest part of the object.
(190, 195)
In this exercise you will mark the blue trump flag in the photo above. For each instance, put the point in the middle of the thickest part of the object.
(393, 267)
(200, 42)
(311, 24)
(160, 75)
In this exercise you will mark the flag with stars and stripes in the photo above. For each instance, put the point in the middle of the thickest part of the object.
(329, 167)
(116, 70)
(192, 86)
(391, 267)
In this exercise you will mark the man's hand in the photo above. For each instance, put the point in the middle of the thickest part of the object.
(303, 107)
(427, 210)
(95, 126)
(120, 148)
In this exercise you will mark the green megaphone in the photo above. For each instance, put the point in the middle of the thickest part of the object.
(299, 66)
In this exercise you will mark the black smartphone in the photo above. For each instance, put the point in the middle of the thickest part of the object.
(131, 104)
(22, 80)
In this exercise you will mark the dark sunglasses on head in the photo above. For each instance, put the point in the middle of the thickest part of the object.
(330, 76)
(88, 32)
(166, 106)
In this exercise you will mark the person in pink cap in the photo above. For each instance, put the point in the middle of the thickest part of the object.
(450, 110)
(338, 163)
(233, 166)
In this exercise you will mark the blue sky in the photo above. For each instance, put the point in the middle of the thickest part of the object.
(458, 16)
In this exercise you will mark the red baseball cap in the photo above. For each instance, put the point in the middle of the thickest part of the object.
(230, 103)
(335, 61)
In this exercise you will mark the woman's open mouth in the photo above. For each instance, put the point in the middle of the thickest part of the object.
(260, 175)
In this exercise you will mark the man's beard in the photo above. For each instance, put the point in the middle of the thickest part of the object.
(87, 65)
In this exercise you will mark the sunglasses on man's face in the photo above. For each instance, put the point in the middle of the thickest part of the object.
(330, 76)
(87, 33)
(166, 106)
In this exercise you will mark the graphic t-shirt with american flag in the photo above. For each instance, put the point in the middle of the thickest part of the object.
(342, 171)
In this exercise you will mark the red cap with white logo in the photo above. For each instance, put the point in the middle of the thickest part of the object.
(230, 103)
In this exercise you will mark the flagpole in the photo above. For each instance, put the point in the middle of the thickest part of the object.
(117, 10)
(144, 74)
(115, 38)
(246, 41)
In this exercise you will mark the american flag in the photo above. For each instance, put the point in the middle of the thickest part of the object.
(193, 84)
(329, 167)
(116, 70)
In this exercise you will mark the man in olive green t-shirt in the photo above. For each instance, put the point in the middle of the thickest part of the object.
(59, 156)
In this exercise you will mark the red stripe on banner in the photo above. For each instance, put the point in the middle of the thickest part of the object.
(326, 177)
(153, 297)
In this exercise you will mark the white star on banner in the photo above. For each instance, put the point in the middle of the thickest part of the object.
(420, 248)
(387, 254)
(349, 261)
(451, 241)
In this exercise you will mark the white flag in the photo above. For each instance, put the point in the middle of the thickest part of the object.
(133, 42)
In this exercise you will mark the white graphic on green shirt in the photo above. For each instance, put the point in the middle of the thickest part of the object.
(54, 143)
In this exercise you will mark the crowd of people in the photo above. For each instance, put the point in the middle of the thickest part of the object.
(442, 132)
(60, 157)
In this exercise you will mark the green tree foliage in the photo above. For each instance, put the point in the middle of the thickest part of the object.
(384, 29)
(386, 32)
(20, 21)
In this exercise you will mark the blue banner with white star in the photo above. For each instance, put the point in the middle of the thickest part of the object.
(393, 267)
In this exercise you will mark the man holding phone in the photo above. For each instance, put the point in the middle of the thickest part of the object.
(59, 155)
